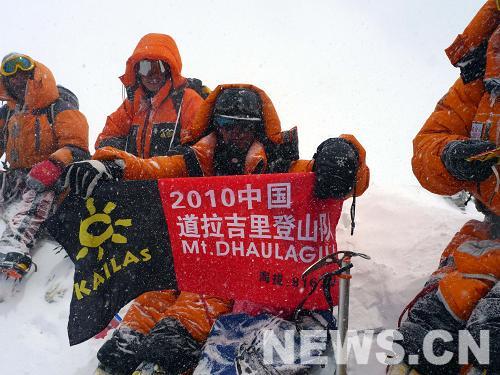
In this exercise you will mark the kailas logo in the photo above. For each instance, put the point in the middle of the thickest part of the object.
(95, 231)
(166, 133)
(94, 241)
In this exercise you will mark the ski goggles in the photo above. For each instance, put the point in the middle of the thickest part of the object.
(146, 66)
(15, 62)
(230, 122)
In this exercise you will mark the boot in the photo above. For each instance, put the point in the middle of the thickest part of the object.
(15, 265)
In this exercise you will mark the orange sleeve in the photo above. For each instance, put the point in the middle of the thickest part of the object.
(145, 169)
(71, 129)
(197, 313)
(450, 121)
(363, 175)
(204, 152)
(148, 309)
(117, 124)
(196, 160)
(298, 166)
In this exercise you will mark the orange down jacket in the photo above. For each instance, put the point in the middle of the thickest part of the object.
(146, 126)
(197, 313)
(199, 160)
(470, 264)
(29, 137)
(462, 112)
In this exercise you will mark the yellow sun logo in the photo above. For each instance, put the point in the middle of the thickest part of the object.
(88, 240)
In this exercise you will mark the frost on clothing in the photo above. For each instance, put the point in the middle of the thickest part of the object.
(462, 296)
(165, 326)
(43, 134)
(200, 159)
(204, 157)
(462, 293)
(145, 127)
(236, 344)
(150, 126)
(29, 138)
(467, 111)
(31, 210)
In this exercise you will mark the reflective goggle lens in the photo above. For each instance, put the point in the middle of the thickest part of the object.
(145, 67)
(229, 122)
(224, 122)
(11, 65)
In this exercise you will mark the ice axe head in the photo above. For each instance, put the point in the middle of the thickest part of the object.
(336, 258)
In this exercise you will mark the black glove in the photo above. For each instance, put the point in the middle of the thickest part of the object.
(492, 85)
(170, 345)
(336, 164)
(119, 353)
(455, 153)
(83, 176)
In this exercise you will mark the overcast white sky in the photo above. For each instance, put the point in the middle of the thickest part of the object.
(373, 68)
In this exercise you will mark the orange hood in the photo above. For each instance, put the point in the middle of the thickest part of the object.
(203, 119)
(493, 56)
(155, 47)
(40, 91)
(479, 29)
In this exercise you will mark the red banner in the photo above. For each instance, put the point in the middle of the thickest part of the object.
(249, 237)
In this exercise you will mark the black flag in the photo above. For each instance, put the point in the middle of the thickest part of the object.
(119, 243)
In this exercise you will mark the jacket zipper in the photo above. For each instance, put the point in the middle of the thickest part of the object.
(37, 135)
(144, 129)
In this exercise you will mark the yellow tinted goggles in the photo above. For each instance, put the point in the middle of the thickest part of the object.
(13, 63)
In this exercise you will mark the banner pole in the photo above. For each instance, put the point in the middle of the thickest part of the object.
(343, 261)
(343, 321)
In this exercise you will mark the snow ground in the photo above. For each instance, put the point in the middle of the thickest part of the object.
(371, 68)
(403, 229)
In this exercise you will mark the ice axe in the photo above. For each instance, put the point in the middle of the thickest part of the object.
(487, 155)
(343, 260)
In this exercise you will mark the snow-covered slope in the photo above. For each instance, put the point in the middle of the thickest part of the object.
(403, 229)
(371, 68)
(33, 330)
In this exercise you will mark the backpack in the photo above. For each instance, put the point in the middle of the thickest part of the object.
(66, 100)
(194, 84)
(198, 86)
